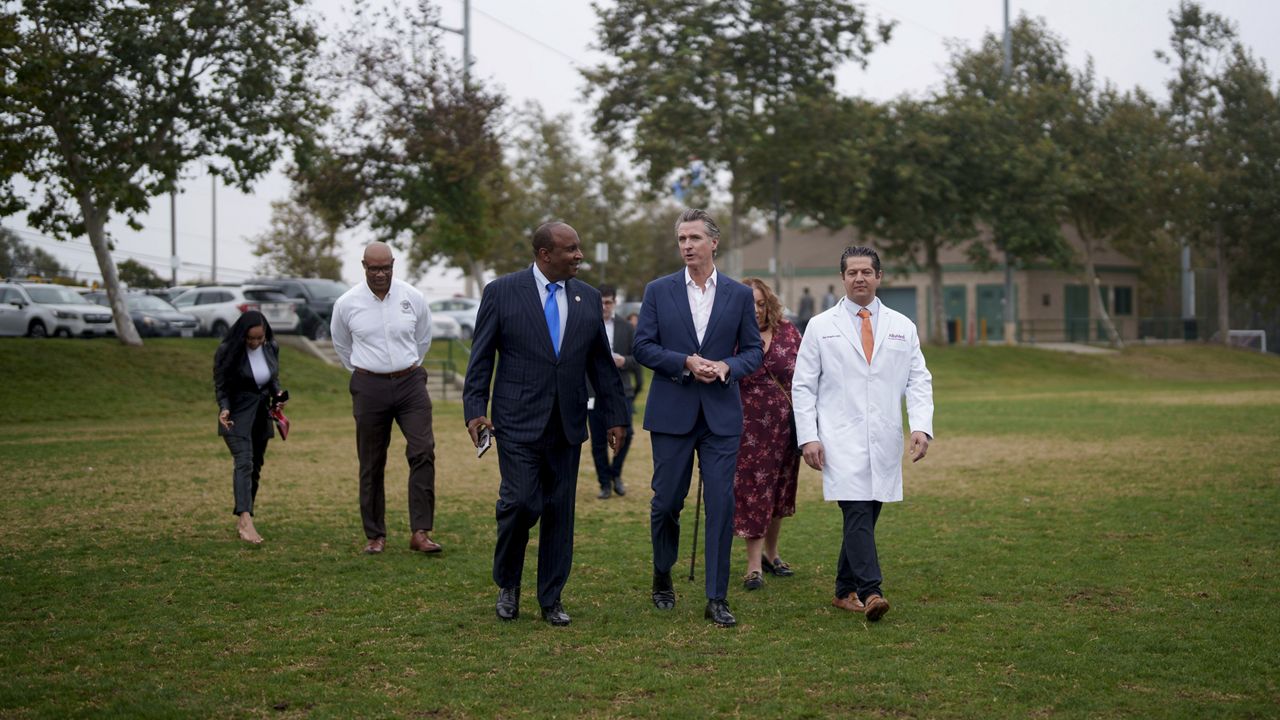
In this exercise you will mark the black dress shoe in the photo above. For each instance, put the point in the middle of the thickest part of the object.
(664, 595)
(718, 613)
(604, 493)
(778, 568)
(555, 615)
(508, 603)
(617, 487)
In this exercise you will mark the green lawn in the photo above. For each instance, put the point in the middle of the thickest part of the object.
(1089, 537)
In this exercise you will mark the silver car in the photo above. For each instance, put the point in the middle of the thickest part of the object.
(462, 309)
(75, 316)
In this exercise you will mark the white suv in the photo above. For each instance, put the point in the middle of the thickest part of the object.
(66, 312)
(20, 316)
(218, 306)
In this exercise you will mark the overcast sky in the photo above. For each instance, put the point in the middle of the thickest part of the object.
(533, 49)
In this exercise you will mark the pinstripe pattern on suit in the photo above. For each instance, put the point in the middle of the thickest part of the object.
(539, 416)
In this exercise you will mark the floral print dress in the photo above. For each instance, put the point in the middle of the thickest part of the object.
(764, 487)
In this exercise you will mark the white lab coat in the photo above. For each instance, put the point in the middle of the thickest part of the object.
(855, 409)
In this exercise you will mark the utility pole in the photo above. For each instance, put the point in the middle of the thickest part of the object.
(465, 32)
(213, 275)
(1010, 319)
(173, 238)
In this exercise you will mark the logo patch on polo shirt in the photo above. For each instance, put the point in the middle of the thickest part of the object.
(406, 306)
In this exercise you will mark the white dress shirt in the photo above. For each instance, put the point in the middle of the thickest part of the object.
(701, 301)
(258, 363)
(381, 336)
(562, 301)
(852, 309)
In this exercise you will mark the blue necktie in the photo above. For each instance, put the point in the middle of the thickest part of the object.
(552, 311)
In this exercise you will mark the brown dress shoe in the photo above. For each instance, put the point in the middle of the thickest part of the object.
(375, 546)
(423, 544)
(876, 607)
(849, 602)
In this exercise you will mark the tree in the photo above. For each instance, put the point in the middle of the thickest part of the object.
(419, 146)
(135, 274)
(1117, 161)
(299, 244)
(1223, 111)
(103, 103)
(1018, 167)
(919, 196)
(709, 81)
(18, 259)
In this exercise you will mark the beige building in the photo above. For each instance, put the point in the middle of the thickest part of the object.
(1050, 305)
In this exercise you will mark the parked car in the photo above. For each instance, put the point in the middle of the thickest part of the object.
(462, 309)
(152, 316)
(444, 327)
(73, 315)
(168, 294)
(20, 316)
(216, 307)
(627, 309)
(317, 296)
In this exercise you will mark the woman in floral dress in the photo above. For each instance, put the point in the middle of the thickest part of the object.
(764, 487)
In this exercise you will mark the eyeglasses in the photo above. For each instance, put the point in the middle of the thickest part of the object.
(378, 269)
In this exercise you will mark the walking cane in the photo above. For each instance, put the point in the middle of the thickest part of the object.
(697, 511)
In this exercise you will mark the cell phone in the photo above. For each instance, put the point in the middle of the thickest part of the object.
(486, 439)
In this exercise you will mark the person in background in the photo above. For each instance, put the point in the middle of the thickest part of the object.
(806, 310)
(621, 335)
(381, 330)
(764, 487)
(246, 384)
(829, 300)
(852, 374)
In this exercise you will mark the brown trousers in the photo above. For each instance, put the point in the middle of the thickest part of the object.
(377, 401)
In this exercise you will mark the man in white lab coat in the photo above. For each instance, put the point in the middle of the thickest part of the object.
(857, 360)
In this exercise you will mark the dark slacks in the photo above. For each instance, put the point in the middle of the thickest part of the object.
(672, 471)
(539, 480)
(608, 470)
(248, 454)
(376, 402)
(858, 567)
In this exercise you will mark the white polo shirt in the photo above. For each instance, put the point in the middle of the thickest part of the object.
(381, 336)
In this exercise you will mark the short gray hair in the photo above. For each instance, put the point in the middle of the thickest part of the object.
(696, 214)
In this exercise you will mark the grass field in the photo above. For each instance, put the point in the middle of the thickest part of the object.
(1088, 537)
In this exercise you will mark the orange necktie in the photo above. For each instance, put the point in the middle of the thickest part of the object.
(868, 340)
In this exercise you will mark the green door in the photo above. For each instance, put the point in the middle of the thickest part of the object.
(1076, 309)
(1106, 305)
(991, 310)
(956, 307)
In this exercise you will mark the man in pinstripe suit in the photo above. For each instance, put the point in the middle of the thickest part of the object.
(548, 331)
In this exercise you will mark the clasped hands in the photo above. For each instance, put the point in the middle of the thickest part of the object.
(614, 435)
(707, 371)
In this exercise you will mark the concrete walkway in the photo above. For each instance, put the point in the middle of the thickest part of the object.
(1074, 348)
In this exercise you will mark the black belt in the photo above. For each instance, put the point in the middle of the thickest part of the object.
(392, 375)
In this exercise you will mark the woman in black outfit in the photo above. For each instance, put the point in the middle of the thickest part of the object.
(246, 381)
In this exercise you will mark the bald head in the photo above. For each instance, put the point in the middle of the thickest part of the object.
(378, 264)
(377, 253)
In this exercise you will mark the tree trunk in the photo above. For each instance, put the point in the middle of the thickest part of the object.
(477, 273)
(937, 333)
(1224, 316)
(95, 225)
(1091, 278)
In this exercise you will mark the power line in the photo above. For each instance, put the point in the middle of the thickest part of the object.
(546, 46)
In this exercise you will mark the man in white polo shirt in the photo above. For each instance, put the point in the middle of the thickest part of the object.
(381, 329)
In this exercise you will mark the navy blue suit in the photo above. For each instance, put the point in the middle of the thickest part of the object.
(684, 415)
(539, 416)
